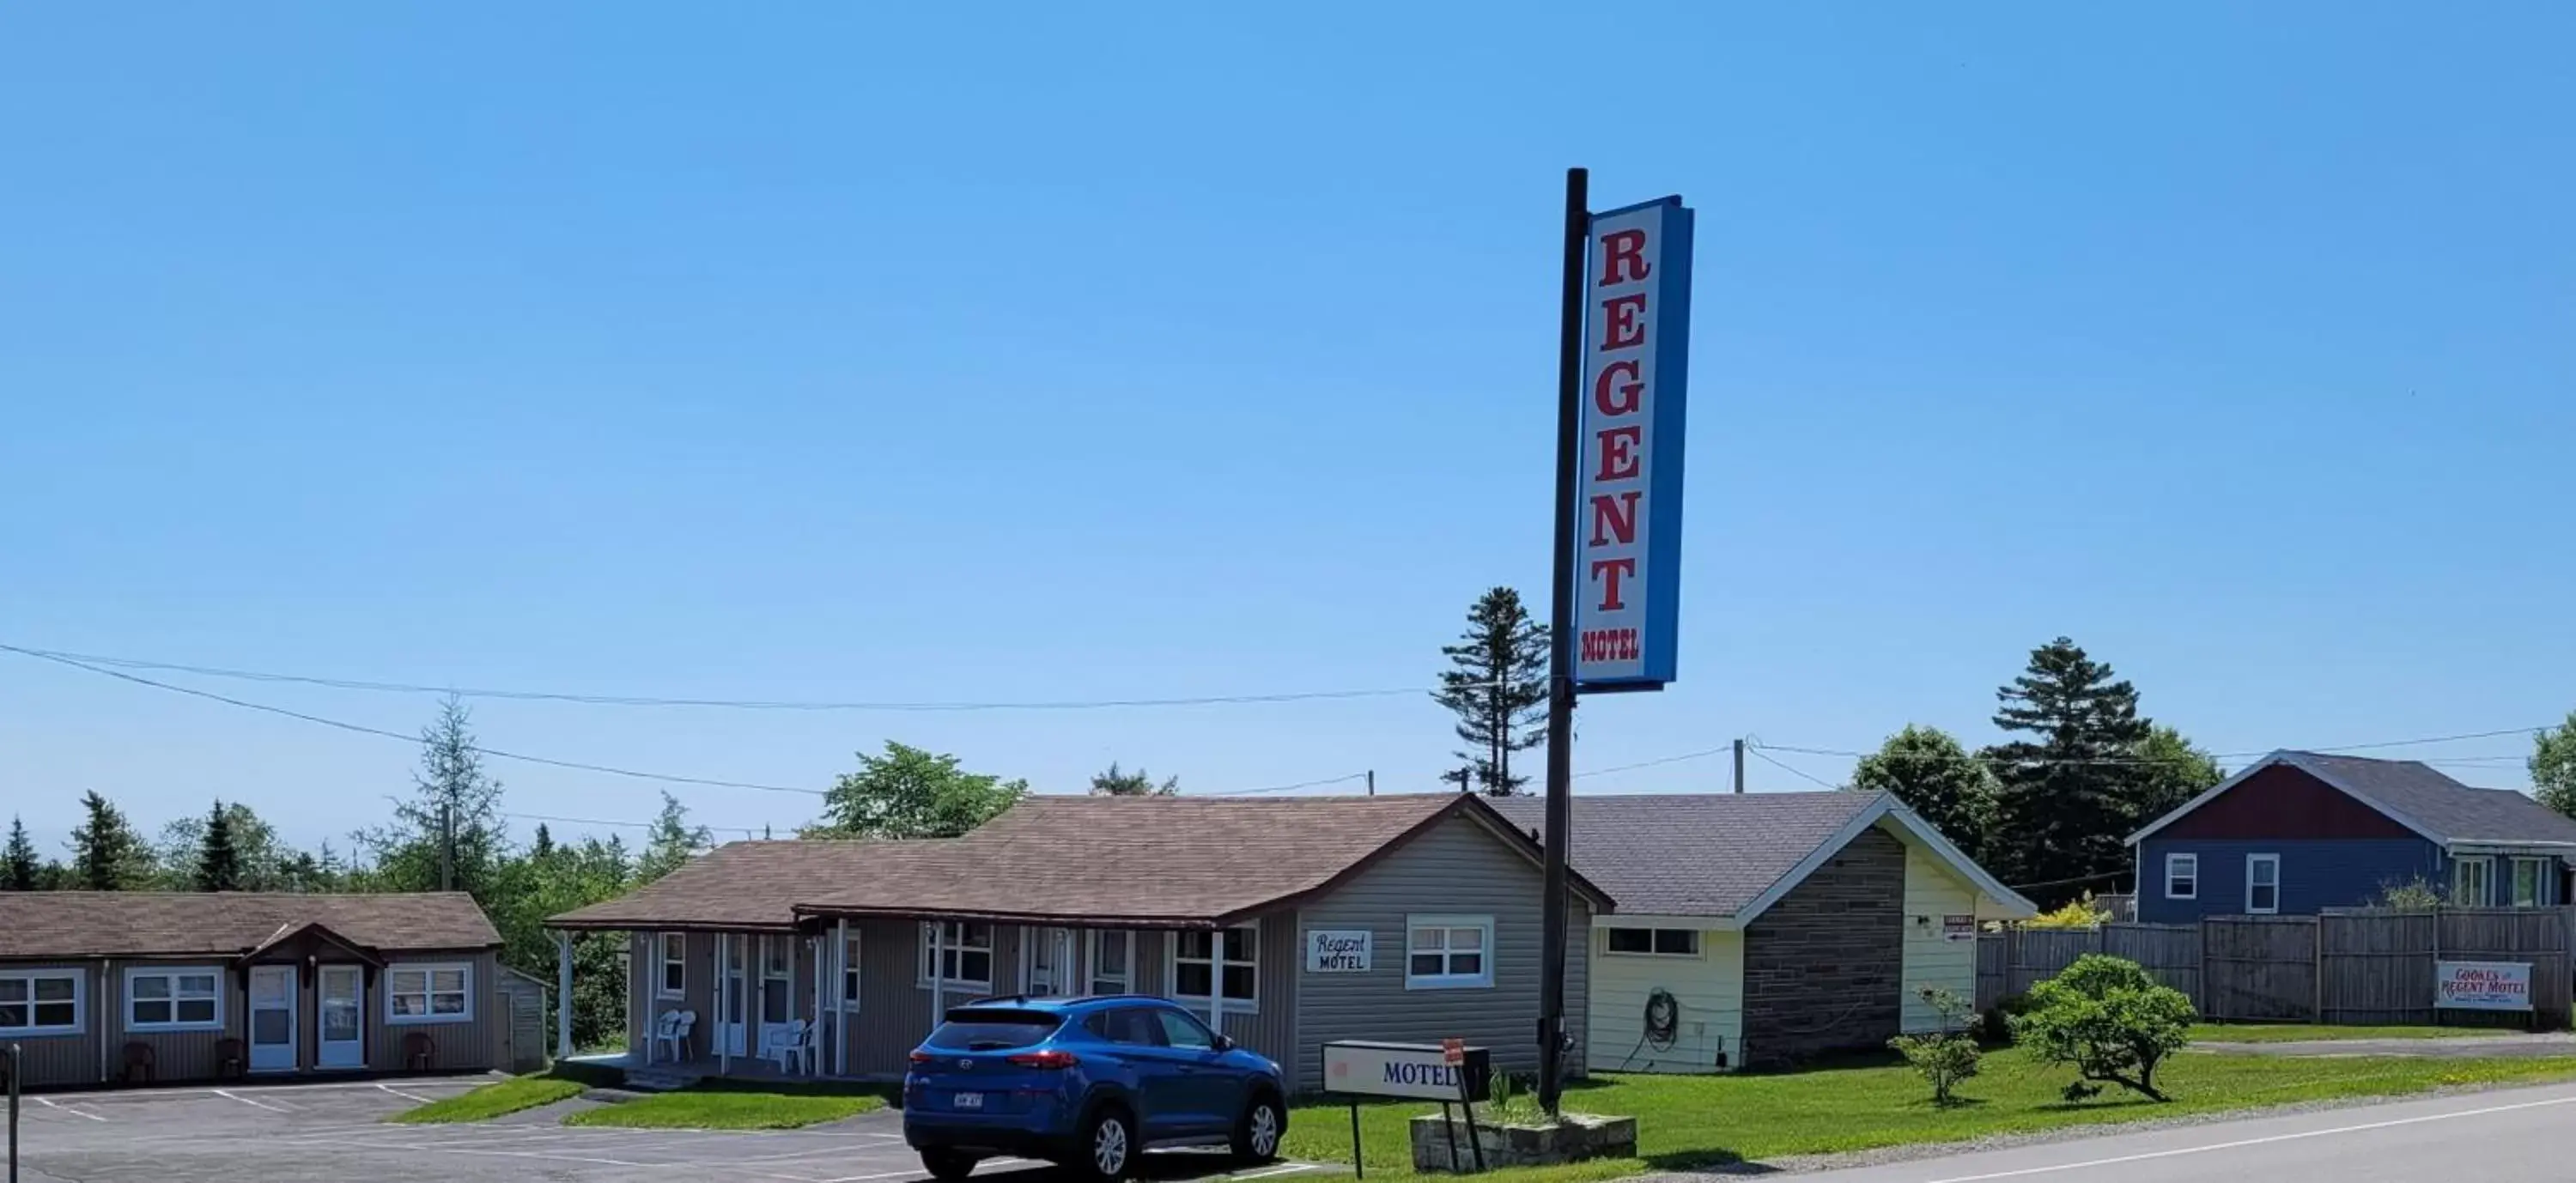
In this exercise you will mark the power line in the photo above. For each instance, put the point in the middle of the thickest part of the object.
(1976, 758)
(362, 729)
(1698, 755)
(1766, 758)
(746, 831)
(1303, 784)
(743, 704)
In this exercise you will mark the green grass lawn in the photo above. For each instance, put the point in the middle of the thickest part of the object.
(493, 1100)
(2290, 1032)
(733, 1105)
(1697, 1121)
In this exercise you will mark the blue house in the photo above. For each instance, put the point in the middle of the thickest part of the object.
(2298, 832)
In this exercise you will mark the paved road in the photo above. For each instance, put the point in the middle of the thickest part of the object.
(2547, 1043)
(2506, 1134)
(335, 1133)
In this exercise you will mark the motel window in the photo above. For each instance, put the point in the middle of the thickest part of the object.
(2473, 883)
(1194, 965)
(850, 975)
(40, 1002)
(2182, 876)
(1448, 952)
(2262, 883)
(1112, 958)
(2526, 882)
(158, 999)
(1653, 942)
(965, 954)
(675, 965)
(429, 994)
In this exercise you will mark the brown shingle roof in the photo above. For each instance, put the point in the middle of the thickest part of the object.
(67, 924)
(744, 885)
(1153, 861)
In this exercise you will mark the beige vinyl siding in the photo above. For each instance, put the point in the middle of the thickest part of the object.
(64, 1059)
(1709, 989)
(1456, 868)
(467, 1045)
(1932, 891)
(894, 1010)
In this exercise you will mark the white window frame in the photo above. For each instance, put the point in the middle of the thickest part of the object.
(80, 1001)
(2486, 877)
(2513, 889)
(1482, 979)
(1234, 1005)
(2252, 861)
(670, 949)
(1092, 975)
(1697, 944)
(952, 943)
(172, 973)
(851, 978)
(2183, 866)
(782, 974)
(429, 972)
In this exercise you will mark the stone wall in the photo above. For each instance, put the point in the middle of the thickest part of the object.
(1824, 968)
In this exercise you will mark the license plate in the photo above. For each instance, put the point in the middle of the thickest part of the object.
(970, 1100)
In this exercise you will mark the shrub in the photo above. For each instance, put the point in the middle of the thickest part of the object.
(1995, 1027)
(2414, 895)
(1947, 1056)
(2110, 1020)
(2078, 913)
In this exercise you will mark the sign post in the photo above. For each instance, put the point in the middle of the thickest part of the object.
(1622, 367)
(1447, 1072)
(9, 1064)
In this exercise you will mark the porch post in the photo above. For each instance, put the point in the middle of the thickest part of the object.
(563, 994)
(840, 998)
(724, 1000)
(1216, 983)
(938, 974)
(814, 1006)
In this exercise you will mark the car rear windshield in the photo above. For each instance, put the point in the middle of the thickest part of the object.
(991, 1028)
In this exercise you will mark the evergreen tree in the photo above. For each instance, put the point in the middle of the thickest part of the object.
(1497, 686)
(2066, 799)
(20, 871)
(1937, 779)
(2553, 766)
(107, 855)
(219, 862)
(261, 856)
(1139, 783)
(451, 779)
(544, 846)
(671, 842)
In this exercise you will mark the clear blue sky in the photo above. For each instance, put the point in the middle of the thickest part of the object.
(874, 352)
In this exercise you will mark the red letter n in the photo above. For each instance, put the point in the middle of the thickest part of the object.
(1614, 513)
(1623, 257)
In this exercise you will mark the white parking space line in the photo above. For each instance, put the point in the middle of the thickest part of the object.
(406, 1096)
(2240, 1143)
(271, 1106)
(1282, 1169)
(50, 1104)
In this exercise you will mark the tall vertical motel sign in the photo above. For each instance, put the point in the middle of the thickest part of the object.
(1636, 357)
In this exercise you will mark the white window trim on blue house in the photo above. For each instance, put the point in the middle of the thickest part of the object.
(2252, 861)
(2484, 896)
(2186, 869)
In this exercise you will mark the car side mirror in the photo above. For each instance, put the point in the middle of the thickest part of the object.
(1223, 1044)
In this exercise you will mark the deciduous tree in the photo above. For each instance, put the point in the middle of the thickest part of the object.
(671, 842)
(1935, 777)
(2553, 766)
(911, 793)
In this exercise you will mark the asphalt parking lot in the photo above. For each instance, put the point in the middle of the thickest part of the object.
(335, 1133)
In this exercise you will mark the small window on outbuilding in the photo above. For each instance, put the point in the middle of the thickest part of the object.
(2182, 876)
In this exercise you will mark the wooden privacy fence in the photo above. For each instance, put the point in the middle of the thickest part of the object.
(2353, 967)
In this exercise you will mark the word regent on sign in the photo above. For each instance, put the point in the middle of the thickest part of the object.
(2482, 985)
(1636, 352)
(1337, 951)
(1423, 1071)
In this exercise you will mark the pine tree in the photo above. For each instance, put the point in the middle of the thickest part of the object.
(219, 862)
(1497, 686)
(544, 846)
(671, 843)
(2066, 801)
(21, 871)
(1139, 783)
(451, 779)
(107, 855)
(1937, 779)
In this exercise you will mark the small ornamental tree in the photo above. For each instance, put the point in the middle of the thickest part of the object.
(1949, 1055)
(2110, 1020)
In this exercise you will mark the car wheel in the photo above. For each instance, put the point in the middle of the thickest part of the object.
(947, 1166)
(1257, 1132)
(1107, 1152)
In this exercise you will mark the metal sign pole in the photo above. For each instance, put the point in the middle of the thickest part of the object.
(1359, 1170)
(1467, 1103)
(1560, 623)
(12, 1065)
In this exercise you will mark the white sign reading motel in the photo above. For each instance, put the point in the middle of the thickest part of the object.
(2482, 985)
(1337, 951)
(1422, 1071)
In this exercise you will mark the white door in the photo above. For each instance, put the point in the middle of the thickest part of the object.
(737, 986)
(342, 1041)
(272, 1018)
(777, 989)
(1047, 960)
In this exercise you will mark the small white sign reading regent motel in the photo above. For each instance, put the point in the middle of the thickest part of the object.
(1337, 951)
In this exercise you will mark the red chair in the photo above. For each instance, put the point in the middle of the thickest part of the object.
(139, 1063)
(229, 1062)
(420, 1052)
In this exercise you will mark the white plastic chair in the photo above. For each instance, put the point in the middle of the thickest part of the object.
(794, 1048)
(666, 1029)
(680, 1035)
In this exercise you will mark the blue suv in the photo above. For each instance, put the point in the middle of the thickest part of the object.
(1086, 1083)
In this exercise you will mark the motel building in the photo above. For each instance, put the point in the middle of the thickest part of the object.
(1285, 923)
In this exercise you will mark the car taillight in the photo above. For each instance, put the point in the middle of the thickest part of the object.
(1049, 1058)
(922, 1057)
